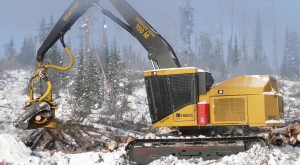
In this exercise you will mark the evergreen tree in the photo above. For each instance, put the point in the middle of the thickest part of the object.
(27, 53)
(104, 48)
(230, 57)
(93, 97)
(134, 67)
(79, 92)
(244, 60)
(258, 49)
(290, 62)
(115, 78)
(206, 52)
(114, 68)
(131, 60)
(10, 54)
(120, 86)
(220, 71)
(86, 91)
(265, 65)
(212, 57)
(275, 50)
(102, 60)
(10, 50)
(236, 54)
(43, 31)
(258, 64)
(186, 30)
(284, 64)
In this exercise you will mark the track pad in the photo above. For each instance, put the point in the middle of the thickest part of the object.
(24, 121)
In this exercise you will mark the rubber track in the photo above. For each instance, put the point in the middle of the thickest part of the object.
(144, 151)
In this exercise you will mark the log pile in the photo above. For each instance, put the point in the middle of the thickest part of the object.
(75, 138)
(287, 135)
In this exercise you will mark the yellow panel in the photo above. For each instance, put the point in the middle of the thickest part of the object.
(271, 108)
(254, 81)
(171, 71)
(262, 108)
(243, 85)
(228, 110)
(256, 110)
(186, 116)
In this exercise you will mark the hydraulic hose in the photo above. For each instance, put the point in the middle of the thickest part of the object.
(63, 68)
(41, 73)
(48, 91)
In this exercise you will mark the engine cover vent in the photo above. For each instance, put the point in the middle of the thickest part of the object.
(229, 109)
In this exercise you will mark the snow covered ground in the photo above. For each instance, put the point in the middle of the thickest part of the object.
(14, 151)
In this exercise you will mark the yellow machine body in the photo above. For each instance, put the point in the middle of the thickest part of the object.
(243, 100)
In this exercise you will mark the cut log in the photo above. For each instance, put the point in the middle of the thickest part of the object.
(112, 145)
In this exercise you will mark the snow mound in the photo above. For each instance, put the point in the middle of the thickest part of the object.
(94, 158)
(15, 152)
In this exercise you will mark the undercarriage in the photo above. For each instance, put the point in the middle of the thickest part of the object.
(144, 151)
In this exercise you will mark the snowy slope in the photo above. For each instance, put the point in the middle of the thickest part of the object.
(291, 94)
(12, 98)
(13, 151)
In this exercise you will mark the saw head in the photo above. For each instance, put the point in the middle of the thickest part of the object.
(36, 115)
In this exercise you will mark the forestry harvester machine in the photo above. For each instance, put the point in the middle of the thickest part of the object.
(178, 97)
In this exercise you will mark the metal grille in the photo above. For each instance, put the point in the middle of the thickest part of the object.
(229, 109)
(167, 94)
(181, 89)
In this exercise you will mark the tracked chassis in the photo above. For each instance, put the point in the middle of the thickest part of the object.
(144, 151)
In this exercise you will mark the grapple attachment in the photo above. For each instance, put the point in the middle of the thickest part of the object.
(37, 114)
(40, 111)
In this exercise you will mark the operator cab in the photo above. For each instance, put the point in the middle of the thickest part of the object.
(170, 90)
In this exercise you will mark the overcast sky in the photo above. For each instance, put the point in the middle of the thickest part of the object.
(20, 18)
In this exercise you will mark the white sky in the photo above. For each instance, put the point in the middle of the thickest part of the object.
(20, 18)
